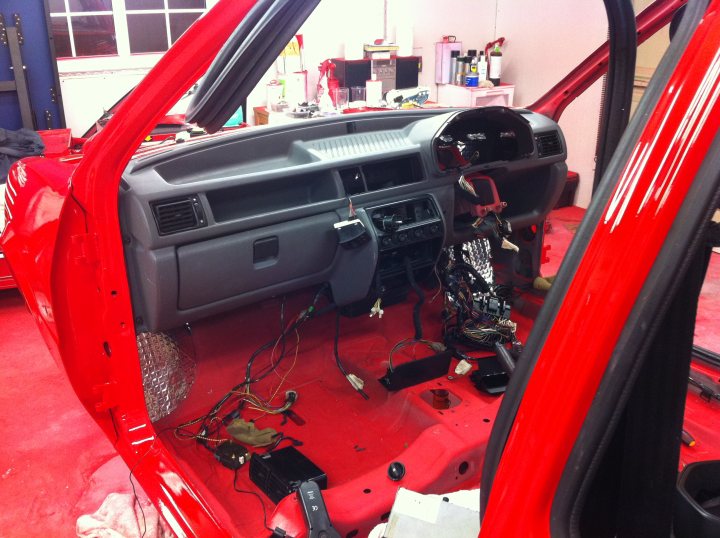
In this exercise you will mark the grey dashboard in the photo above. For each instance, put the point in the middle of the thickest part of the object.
(228, 221)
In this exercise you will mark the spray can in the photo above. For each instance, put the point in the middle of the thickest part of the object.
(495, 65)
(454, 57)
(462, 71)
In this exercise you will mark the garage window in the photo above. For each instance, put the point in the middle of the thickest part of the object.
(85, 28)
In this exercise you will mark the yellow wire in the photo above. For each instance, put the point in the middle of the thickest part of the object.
(284, 377)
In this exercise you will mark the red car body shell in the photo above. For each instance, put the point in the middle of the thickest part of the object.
(66, 250)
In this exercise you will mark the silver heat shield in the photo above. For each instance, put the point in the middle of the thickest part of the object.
(167, 372)
(477, 253)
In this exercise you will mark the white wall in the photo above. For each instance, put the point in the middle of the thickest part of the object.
(545, 40)
(333, 24)
(471, 21)
(86, 95)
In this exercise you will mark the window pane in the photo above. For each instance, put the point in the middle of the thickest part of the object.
(186, 4)
(78, 6)
(144, 4)
(147, 33)
(61, 37)
(94, 36)
(56, 6)
(179, 22)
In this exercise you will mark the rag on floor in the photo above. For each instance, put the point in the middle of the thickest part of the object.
(121, 516)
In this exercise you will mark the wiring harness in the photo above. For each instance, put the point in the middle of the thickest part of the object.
(476, 314)
(208, 429)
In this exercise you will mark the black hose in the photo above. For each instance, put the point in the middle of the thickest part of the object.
(505, 359)
(421, 299)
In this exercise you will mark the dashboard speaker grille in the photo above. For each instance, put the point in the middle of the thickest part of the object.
(178, 215)
(548, 144)
(359, 144)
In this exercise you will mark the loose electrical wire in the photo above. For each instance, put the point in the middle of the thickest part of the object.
(284, 377)
(339, 363)
(136, 499)
(440, 285)
(433, 346)
(417, 322)
(478, 280)
(262, 503)
(241, 394)
(301, 318)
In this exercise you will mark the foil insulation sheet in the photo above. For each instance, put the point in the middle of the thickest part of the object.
(477, 253)
(167, 372)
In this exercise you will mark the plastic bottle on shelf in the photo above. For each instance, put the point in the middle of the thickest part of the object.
(482, 66)
(373, 91)
(472, 80)
(495, 65)
(472, 54)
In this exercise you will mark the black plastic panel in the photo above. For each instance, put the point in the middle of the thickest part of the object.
(214, 270)
(242, 201)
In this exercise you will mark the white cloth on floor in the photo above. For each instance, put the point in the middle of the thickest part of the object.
(120, 516)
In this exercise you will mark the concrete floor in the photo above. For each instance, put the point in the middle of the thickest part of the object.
(55, 463)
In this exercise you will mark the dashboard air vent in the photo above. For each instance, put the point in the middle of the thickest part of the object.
(353, 181)
(178, 215)
(548, 144)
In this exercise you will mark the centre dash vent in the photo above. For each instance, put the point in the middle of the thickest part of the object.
(548, 144)
(178, 214)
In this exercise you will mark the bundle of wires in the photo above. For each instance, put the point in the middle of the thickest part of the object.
(463, 322)
(489, 331)
(435, 347)
(241, 396)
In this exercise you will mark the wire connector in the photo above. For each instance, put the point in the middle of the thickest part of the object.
(357, 383)
(463, 367)
(507, 245)
(377, 309)
(467, 186)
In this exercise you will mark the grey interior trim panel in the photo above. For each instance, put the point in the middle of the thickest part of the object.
(220, 223)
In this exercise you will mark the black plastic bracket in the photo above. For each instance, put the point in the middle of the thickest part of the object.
(416, 372)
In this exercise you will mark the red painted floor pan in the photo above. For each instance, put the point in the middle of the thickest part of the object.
(55, 464)
(351, 439)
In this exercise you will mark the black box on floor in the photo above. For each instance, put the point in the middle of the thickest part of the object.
(279, 473)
